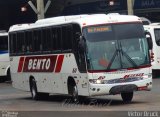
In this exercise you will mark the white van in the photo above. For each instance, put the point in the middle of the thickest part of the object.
(154, 30)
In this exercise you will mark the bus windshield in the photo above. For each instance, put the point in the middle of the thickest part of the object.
(115, 47)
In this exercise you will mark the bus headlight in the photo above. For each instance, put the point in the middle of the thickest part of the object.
(96, 81)
(147, 76)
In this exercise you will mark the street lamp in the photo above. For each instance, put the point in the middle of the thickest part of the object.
(111, 3)
(23, 9)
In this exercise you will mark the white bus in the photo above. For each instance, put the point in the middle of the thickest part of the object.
(4, 57)
(154, 30)
(83, 55)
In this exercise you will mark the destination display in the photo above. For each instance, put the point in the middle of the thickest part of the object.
(99, 29)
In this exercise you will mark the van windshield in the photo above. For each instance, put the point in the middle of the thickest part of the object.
(115, 47)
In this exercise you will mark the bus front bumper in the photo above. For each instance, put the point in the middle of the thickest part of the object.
(117, 88)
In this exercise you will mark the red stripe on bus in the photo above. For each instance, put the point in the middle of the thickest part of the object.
(20, 66)
(59, 63)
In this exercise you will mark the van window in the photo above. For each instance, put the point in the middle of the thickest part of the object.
(157, 36)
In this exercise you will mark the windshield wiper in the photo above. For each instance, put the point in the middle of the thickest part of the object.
(112, 59)
(127, 56)
(123, 54)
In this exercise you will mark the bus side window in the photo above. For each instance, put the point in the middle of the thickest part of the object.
(56, 39)
(53, 38)
(46, 39)
(13, 43)
(20, 42)
(59, 39)
(37, 40)
(49, 38)
(67, 37)
(28, 40)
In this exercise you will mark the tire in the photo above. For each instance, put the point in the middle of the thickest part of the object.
(8, 75)
(74, 93)
(2, 79)
(127, 97)
(35, 94)
(33, 89)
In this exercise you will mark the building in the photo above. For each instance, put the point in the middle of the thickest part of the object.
(148, 8)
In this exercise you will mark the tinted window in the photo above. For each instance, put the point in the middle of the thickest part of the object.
(37, 40)
(157, 36)
(13, 43)
(67, 37)
(3, 43)
(21, 42)
(44, 40)
(129, 31)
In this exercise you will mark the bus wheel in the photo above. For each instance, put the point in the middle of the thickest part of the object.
(74, 93)
(127, 97)
(2, 79)
(34, 93)
(8, 75)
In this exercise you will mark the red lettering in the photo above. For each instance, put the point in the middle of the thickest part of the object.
(133, 75)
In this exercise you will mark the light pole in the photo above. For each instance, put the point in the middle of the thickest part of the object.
(40, 10)
(130, 4)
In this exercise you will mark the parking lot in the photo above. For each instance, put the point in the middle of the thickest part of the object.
(13, 99)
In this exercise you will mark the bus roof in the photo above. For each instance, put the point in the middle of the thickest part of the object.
(82, 20)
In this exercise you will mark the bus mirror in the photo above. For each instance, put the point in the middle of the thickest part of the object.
(149, 40)
(82, 44)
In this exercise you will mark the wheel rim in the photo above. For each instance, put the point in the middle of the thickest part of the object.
(33, 91)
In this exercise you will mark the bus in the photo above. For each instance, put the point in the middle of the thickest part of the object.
(81, 56)
(154, 30)
(4, 57)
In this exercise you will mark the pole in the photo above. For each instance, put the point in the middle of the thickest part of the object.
(130, 4)
(40, 8)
